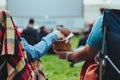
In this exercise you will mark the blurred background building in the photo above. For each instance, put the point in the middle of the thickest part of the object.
(73, 14)
(91, 8)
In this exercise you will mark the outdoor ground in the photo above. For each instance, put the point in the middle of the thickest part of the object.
(57, 69)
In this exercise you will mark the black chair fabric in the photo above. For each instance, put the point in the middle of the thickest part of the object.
(111, 21)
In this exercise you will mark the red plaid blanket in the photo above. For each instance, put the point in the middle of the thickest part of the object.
(13, 60)
(12, 51)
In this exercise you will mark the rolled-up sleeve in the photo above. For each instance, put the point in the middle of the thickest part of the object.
(39, 49)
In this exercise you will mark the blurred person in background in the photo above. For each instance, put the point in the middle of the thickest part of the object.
(101, 10)
(60, 26)
(42, 32)
(30, 34)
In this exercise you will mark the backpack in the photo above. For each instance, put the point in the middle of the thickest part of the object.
(89, 70)
(13, 60)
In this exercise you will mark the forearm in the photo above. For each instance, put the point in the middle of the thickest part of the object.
(38, 50)
(85, 53)
(78, 55)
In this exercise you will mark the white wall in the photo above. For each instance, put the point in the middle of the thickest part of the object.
(91, 13)
(48, 12)
(41, 8)
(91, 9)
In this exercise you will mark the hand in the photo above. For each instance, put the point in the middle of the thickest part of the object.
(64, 31)
(61, 54)
(59, 34)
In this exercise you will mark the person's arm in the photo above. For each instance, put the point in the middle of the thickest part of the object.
(90, 50)
(85, 53)
(38, 50)
(81, 54)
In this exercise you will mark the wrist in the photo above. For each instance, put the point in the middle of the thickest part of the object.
(67, 56)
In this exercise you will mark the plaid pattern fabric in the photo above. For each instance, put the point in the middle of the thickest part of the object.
(9, 37)
(13, 52)
(13, 59)
(38, 68)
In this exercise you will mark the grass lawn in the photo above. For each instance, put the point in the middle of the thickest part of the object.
(57, 69)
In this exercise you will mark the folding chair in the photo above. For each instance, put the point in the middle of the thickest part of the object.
(111, 41)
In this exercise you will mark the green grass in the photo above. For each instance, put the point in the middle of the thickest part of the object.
(57, 69)
(75, 40)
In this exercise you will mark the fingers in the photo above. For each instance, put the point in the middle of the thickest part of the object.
(61, 54)
(64, 31)
(59, 34)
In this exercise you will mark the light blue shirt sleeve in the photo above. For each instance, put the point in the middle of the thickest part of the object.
(39, 49)
(95, 38)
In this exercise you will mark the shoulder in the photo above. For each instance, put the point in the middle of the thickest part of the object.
(100, 17)
(98, 24)
(95, 37)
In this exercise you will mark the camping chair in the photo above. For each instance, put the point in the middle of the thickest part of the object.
(110, 57)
